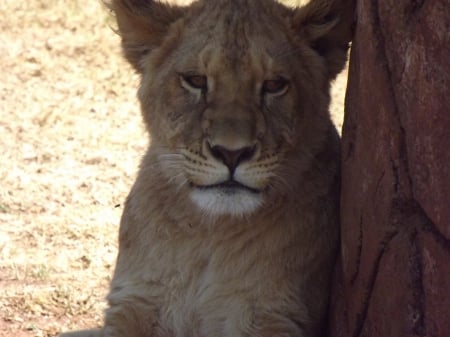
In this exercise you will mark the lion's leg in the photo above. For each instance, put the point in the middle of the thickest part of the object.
(129, 319)
(83, 333)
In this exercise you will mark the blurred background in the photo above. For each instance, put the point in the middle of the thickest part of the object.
(71, 139)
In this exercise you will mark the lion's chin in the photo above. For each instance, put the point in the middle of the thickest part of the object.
(218, 200)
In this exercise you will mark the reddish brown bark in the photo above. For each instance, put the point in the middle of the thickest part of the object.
(393, 277)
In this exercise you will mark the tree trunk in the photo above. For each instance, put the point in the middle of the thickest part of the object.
(393, 277)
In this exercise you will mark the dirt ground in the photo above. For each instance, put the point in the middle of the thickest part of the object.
(70, 142)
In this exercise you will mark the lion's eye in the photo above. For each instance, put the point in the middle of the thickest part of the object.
(195, 81)
(276, 86)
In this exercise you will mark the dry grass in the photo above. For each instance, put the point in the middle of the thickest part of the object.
(71, 139)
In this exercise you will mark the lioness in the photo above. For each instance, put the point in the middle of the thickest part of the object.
(231, 228)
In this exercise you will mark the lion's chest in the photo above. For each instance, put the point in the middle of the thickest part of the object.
(202, 300)
(213, 285)
(202, 307)
(205, 290)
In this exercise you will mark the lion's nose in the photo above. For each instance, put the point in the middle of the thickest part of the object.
(232, 158)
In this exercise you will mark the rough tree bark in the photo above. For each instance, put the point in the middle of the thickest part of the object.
(393, 278)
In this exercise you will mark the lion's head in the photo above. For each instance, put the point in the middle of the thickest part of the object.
(234, 93)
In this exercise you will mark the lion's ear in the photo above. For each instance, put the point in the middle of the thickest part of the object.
(142, 25)
(327, 26)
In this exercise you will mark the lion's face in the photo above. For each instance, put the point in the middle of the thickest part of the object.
(234, 102)
(225, 121)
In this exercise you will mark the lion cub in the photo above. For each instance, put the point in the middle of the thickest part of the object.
(231, 228)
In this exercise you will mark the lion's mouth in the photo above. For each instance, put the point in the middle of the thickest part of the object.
(229, 187)
(227, 197)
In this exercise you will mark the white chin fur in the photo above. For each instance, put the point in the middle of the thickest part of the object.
(222, 202)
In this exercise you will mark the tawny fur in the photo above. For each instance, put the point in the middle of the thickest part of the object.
(201, 259)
